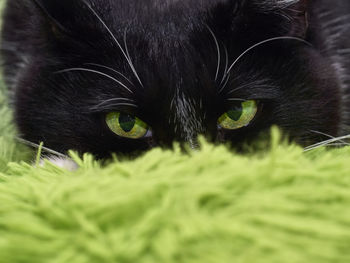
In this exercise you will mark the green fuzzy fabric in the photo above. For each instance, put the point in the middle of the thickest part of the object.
(281, 205)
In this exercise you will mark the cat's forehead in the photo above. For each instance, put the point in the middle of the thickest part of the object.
(155, 18)
(170, 24)
(160, 14)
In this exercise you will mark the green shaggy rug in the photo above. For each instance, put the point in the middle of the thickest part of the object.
(211, 206)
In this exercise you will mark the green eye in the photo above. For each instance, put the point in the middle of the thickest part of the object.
(126, 125)
(239, 116)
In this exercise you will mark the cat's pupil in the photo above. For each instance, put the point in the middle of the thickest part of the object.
(236, 113)
(126, 122)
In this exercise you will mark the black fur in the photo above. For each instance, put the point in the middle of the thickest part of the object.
(300, 86)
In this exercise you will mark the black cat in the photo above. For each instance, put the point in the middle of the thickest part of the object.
(121, 76)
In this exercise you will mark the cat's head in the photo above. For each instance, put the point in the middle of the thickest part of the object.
(126, 75)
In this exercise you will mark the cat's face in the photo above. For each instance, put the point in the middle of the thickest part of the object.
(126, 75)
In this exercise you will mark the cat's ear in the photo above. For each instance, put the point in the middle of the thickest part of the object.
(297, 11)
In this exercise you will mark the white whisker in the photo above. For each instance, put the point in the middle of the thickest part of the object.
(255, 84)
(340, 144)
(224, 85)
(115, 40)
(109, 106)
(37, 146)
(116, 99)
(326, 142)
(236, 99)
(218, 52)
(112, 69)
(114, 102)
(129, 59)
(264, 42)
(226, 64)
(326, 135)
(96, 72)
